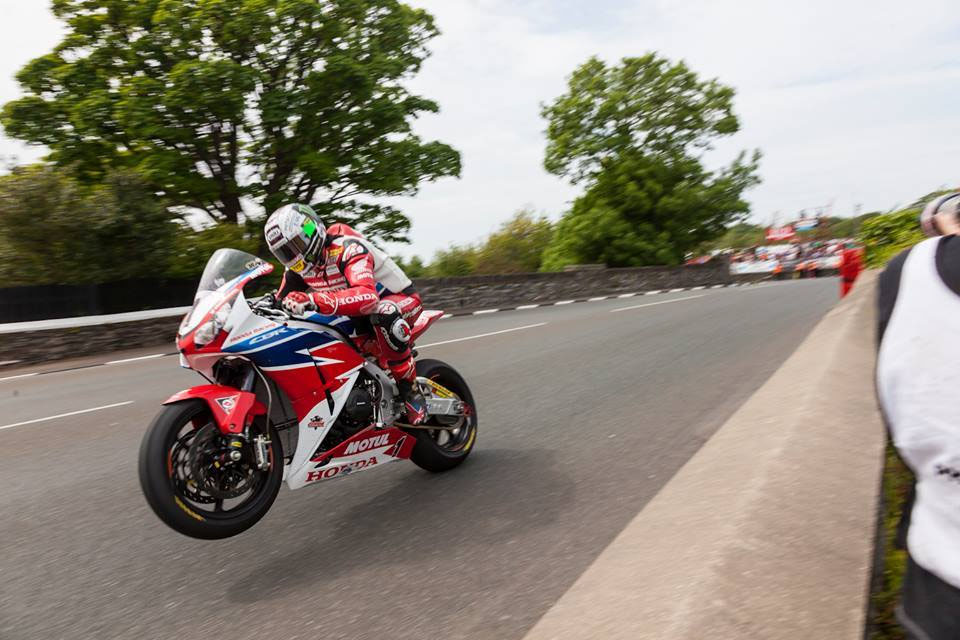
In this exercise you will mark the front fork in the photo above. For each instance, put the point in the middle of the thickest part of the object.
(261, 442)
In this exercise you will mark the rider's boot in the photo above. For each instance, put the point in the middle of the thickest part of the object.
(405, 373)
(414, 403)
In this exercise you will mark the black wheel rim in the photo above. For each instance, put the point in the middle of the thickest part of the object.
(209, 495)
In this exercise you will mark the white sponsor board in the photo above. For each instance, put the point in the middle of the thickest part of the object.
(758, 266)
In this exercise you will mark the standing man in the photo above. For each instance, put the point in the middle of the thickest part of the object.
(918, 384)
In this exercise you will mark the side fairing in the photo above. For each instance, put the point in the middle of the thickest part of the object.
(315, 369)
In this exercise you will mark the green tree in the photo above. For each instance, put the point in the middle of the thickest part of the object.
(222, 102)
(737, 236)
(455, 261)
(647, 104)
(55, 230)
(414, 267)
(193, 248)
(517, 247)
(644, 210)
(634, 133)
(886, 235)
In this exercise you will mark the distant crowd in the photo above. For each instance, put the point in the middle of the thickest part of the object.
(803, 259)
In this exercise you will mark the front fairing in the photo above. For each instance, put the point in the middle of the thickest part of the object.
(219, 307)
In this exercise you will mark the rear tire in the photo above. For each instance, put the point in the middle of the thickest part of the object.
(430, 452)
(172, 505)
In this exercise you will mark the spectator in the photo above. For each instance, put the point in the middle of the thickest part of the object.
(917, 384)
(850, 267)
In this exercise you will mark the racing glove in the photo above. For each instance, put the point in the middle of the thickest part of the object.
(299, 302)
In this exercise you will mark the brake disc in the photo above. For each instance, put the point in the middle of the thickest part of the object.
(210, 471)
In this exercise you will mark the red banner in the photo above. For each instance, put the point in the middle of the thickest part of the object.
(777, 234)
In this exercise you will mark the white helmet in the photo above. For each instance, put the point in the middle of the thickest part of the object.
(295, 235)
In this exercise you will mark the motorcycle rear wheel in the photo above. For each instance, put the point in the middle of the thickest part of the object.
(175, 496)
(441, 450)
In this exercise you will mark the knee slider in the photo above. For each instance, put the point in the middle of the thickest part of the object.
(391, 325)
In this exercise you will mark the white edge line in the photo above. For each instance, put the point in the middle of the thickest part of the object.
(652, 293)
(482, 335)
(65, 415)
(480, 313)
(446, 315)
(700, 288)
(718, 286)
(527, 306)
(126, 360)
(9, 362)
(678, 290)
(651, 304)
(22, 375)
(597, 299)
(626, 295)
(563, 302)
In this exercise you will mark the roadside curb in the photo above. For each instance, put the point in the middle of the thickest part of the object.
(768, 530)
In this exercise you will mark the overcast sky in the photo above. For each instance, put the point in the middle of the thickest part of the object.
(852, 102)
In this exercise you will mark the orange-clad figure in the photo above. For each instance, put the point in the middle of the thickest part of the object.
(851, 264)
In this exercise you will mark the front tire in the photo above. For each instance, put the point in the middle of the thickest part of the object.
(176, 496)
(441, 450)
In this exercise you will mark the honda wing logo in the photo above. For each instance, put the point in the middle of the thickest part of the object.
(227, 404)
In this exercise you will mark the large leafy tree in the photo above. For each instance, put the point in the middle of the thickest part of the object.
(645, 210)
(634, 133)
(221, 103)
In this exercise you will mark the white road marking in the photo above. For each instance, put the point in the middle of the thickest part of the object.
(718, 286)
(22, 375)
(480, 313)
(653, 293)
(65, 415)
(597, 299)
(446, 315)
(651, 304)
(482, 335)
(701, 288)
(626, 295)
(126, 360)
(557, 304)
(527, 306)
(8, 362)
(678, 290)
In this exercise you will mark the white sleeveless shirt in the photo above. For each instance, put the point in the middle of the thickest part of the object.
(918, 382)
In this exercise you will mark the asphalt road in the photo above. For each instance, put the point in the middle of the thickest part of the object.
(582, 420)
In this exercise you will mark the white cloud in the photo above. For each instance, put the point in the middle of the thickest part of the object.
(851, 102)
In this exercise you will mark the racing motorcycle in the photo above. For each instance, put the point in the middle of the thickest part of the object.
(290, 399)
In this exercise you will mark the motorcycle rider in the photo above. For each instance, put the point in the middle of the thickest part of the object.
(336, 270)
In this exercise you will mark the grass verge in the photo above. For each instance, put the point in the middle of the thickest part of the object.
(897, 480)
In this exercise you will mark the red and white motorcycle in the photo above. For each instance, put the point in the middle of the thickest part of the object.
(300, 400)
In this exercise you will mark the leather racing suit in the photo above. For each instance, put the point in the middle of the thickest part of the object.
(360, 280)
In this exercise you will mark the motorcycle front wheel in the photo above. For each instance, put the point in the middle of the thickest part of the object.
(191, 482)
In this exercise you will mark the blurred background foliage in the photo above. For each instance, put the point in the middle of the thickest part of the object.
(224, 108)
(886, 235)
(172, 127)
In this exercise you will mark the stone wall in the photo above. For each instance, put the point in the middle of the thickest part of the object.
(58, 344)
(480, 292)
(454, 295)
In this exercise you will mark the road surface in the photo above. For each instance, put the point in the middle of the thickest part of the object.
(586, 411)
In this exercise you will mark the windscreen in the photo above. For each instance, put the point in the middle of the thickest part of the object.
(225, 265)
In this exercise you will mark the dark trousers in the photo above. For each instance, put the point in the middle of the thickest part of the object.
(929, 607)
